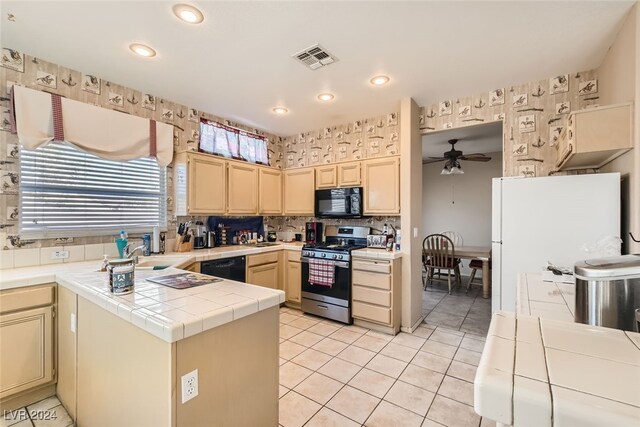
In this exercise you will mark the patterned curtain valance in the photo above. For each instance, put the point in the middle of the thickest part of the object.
(41, 118)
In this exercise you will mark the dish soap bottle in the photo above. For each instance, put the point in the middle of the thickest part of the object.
(105, 263)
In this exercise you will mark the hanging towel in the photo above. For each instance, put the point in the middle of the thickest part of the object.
(321, 272)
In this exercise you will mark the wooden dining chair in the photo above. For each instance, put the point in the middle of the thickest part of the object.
(457, 240)
(438, 252)
(475, 265)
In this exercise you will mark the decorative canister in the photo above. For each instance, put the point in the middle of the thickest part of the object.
(121, 276)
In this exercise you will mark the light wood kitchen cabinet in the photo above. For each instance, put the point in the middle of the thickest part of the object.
(264, 270)
(67, 327)
(376, 293)
(200, 183)
(242, 194)
(326, 176)
(299, 191)
(382, 186)
(293, 277)
(594, 137)
(269, 191)
(349, 174)
(27, 361)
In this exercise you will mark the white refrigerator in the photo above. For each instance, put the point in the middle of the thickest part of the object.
(535, 220)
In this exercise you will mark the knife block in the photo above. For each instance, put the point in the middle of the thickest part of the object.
(182, 246)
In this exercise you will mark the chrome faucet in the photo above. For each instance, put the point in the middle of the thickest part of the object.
(129, 254)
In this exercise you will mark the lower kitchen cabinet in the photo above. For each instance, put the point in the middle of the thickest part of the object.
(293, 278)
(27, 348)
(264, 270)
(376, 293)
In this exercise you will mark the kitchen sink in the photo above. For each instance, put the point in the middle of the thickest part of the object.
(160, 262)
(265, 244)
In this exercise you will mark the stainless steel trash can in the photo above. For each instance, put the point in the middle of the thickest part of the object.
(608, 292)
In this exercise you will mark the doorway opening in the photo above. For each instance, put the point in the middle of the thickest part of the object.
(458, 167)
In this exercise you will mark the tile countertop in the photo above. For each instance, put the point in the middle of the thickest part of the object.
(173, 314)
(376, 253)
(41, 274)
(549, 300)
(544, 372)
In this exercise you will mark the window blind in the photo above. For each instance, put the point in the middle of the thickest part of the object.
(65, 191)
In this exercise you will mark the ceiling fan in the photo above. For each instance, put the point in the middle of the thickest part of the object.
(452, 159)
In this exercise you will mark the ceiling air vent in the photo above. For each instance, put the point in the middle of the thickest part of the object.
(315, 57)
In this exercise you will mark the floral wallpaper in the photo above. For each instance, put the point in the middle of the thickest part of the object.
(534, 115)
(22, 69)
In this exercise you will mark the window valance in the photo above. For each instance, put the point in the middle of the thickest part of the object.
(41, 118)
(216, 138)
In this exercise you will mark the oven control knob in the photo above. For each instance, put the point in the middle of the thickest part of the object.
(324, 255)
(340, 257)
(335, 256)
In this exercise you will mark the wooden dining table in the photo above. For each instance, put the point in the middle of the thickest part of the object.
(483, 253)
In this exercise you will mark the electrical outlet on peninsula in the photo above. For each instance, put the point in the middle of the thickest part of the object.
(189, 386)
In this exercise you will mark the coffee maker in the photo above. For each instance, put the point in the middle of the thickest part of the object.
(313, 232)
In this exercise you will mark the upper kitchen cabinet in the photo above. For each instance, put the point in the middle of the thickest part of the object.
(349, 174)
(270, 191)
(326, 176)
(594, 137)
(200, 184)
(340, 175)
(243, 189)
(299, 191)
(382, 186)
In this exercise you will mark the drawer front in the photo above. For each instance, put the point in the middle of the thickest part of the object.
(372, 296)
(371, 313)
(23, 298)
(374, 266)
(293, 256)
(262, 259)
(372, 280)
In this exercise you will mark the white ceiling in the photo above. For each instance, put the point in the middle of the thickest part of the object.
(484, 138)
(237, 64)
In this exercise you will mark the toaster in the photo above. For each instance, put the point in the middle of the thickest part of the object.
(376, 241)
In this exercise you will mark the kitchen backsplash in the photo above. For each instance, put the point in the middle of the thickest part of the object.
(289, 225)
(534, 115)
(90, 88)
(361, 139)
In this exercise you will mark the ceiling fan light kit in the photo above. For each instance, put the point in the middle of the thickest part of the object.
(452, 168)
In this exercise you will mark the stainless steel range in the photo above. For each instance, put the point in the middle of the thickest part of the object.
(326, 272)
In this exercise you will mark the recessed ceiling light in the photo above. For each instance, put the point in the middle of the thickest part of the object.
(325, 97)
(379, 80)
(142, 50)
(188, 13)
(280, 110)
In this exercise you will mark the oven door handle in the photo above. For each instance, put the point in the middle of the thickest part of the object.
(339, 264)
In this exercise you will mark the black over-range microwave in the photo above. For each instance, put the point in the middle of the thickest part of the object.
(339, 203)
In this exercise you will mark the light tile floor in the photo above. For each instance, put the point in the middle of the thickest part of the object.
(337, 375)
(45, 413)
(465, 312)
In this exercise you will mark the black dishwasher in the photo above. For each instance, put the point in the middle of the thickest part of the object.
(228, 268)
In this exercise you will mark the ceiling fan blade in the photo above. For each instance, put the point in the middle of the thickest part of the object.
(433, 160)
(437, 158)
(475, 159)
